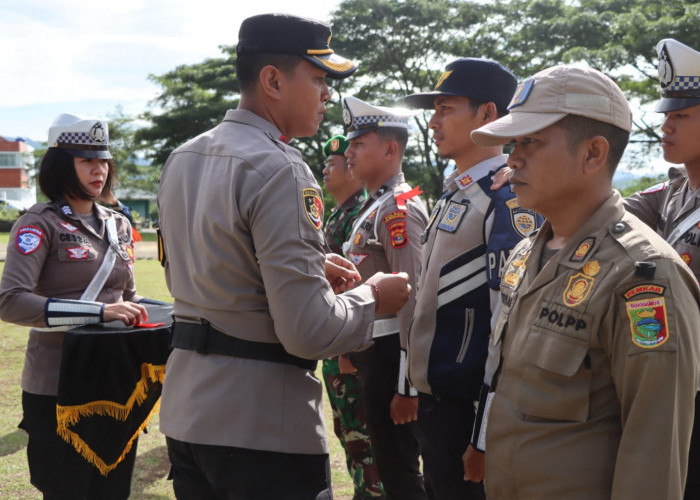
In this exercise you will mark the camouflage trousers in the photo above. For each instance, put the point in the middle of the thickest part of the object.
(348, 424)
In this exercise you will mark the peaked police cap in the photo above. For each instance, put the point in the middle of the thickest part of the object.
(482, 80)
(287, 34)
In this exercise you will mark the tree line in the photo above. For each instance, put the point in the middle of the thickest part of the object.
(402, 47)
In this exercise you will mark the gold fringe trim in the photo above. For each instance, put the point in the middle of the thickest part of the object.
(70, 415)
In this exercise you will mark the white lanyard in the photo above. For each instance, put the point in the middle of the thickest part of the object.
(98, 281)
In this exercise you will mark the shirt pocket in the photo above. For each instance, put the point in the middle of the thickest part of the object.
(556, 377)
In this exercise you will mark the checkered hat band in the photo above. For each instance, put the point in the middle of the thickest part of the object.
(67, 138)
(685, 83)
(374, 120)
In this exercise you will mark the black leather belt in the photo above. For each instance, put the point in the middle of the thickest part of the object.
(205, 339)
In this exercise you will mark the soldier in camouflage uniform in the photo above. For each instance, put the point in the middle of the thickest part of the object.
(339, 375)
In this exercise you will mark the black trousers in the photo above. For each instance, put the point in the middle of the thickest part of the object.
(692, 484)
(446, 424)
(396, 447)
(210, 472)
(57, 469)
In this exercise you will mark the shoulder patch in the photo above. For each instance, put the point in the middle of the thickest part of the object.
(28, 239)
(397, 233)
(524, 221)
(648, 321)
(313, 206)
(655, 189)
(399, 214)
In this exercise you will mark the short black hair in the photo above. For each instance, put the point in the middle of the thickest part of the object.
(579, 128)
(57, 177)
(248, 66)
(400, 135)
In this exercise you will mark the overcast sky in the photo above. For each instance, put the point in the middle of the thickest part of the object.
(87, 57)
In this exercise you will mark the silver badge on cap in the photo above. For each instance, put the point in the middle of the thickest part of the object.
(665, 68)
(347, 117)
(97, 132)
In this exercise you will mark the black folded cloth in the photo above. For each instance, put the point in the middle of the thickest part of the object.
(110, 384)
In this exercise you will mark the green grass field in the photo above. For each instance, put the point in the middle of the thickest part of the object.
(152, 464)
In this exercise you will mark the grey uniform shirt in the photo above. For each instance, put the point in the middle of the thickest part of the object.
(241, 216)
(665, 206)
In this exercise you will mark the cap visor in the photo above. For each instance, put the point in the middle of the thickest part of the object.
(82, 153)
(336, 66)
(357, 133)
(667, 104)
(513, 125)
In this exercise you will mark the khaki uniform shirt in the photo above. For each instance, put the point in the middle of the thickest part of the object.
(241, 216)
(61, 265)
(598, 366)
(388, 240)
(464, 248)
(663, 207)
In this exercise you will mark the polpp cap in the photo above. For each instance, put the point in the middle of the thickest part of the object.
(336, 145)
(287, 34)
(679, 76)
(361, 117)
(482, 80)
(80, 136)
(550, 95)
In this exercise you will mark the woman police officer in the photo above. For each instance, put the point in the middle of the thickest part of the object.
(54, 279)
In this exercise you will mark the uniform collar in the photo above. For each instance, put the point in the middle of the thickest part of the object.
(249, 118)
(473, 174)
(389, 184)
(583, 245)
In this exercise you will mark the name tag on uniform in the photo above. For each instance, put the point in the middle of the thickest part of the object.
(453, 216)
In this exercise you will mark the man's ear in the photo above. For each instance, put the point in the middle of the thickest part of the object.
(271, 82)
(391, 149)
(596, 154)
(489, 112)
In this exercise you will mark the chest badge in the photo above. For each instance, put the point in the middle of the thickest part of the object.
(453, 216)
(515, 272)
(78, 253)
(68, 227)
(357, 258)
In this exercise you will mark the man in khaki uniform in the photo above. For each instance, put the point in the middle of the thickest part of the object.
(241, 218)
(672, 208)
(594, 358)
(386, 238)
